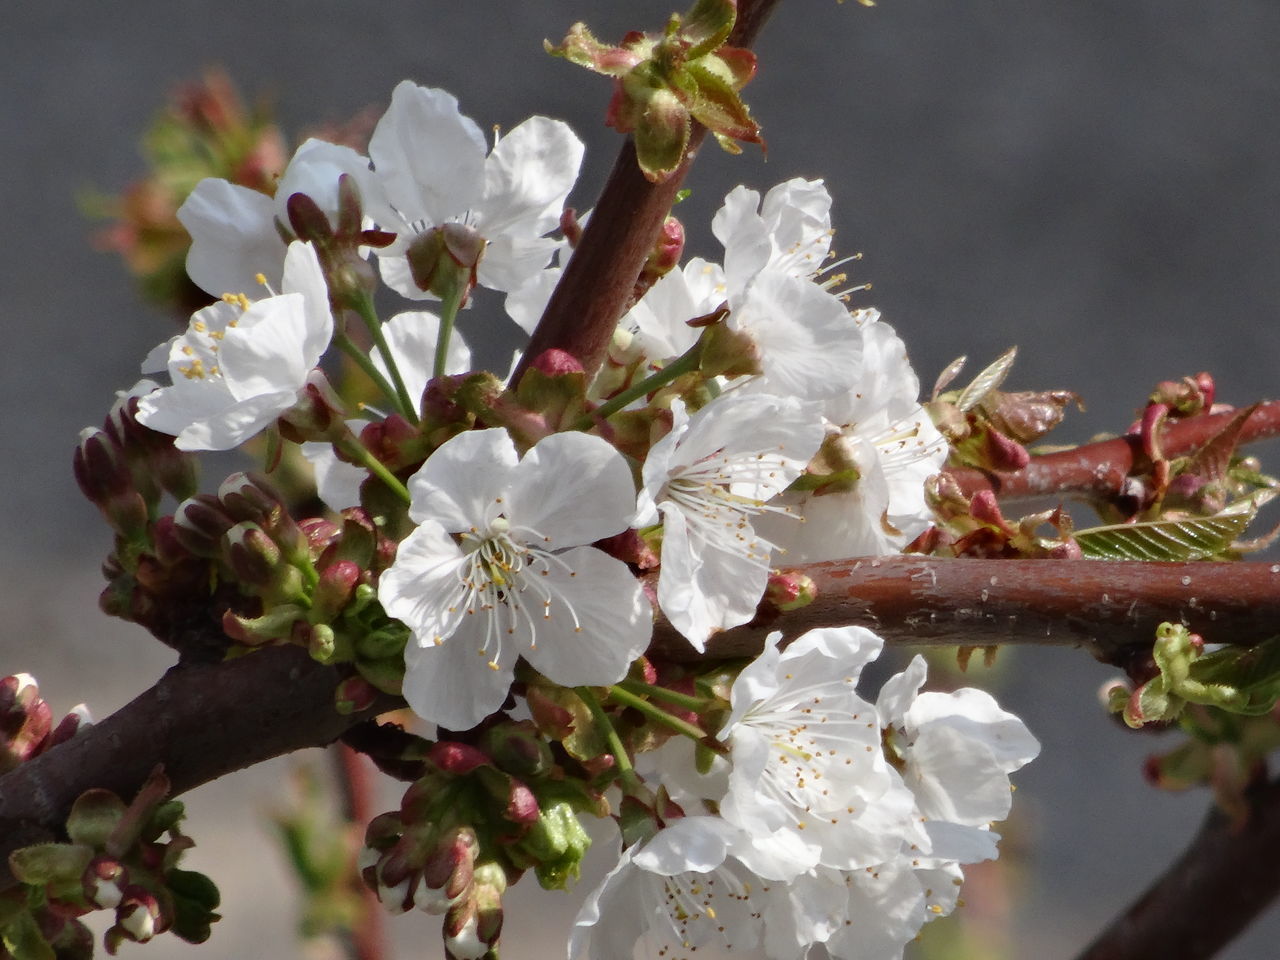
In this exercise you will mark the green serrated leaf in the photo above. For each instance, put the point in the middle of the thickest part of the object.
(1191, 538)
(44, 863)
(988, 380)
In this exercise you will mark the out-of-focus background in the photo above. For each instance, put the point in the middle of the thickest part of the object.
(1097, 183)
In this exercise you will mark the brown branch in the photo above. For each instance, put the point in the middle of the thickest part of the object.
(592, 293)
(1097, 471)
(1109, 607)
(1225, 878)
(200, 721)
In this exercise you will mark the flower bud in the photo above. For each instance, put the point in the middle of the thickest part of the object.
(353, 695)
(252, 555)
(334, 589)
(138, 917)
(104, 881)
(472, 925)
(199, 523)
(448, 870)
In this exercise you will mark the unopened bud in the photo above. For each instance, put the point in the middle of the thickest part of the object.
(448, 870)
(353, 695)
(253, 555)
(138, 916)
(790, 590)
(334, 589)
(104, 880)
(199, 523)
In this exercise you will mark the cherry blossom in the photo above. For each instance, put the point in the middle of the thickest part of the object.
(241, 363)
(707, 478)
(497, 569)
(436, 171)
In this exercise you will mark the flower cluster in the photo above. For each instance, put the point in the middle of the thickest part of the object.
(829, 820)
(503, 545)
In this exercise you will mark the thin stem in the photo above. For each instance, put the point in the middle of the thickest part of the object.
(449, 307)
(665, 694)
(605, 727)
(361, 360)
(657, 714)
(673, 370)
(407, 406)
(357, 451)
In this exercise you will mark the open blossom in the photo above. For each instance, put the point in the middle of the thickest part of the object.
(432, 165)
(808, 780)
(680, 891)
(880, 429)
(955, 752)
(234, 233)
(241, 364)
(706, 479)
(498, 569)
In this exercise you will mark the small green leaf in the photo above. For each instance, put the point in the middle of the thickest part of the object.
(93, 816)
(988, 380)
(1191, 538)
(49, 862)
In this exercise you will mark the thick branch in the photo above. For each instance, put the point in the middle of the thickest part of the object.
(1098, 470)
(1112, 608)
(1224, 879)
(624, 225)
(201, 721)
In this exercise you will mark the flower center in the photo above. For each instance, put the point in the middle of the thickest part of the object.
(507, 579)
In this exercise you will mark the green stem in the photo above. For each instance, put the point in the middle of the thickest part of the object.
(408, 405)
(358, 452)
(676, 368)
(688, 701)
(449, 307)
(657, 714)
(361, 360)
(630, 780)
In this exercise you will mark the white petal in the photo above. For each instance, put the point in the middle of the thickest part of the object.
(266, 351)
(976, 714)
(233, 238)
(428, 156)
(412, 338)
(465, 482)
(598, 622)
(528, 176)
(572, 488)
(453, 684)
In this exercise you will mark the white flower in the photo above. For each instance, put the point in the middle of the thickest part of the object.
(497, 569)
(868, 914)
(806, 342)
(809, 783)
(660, 318)
(791, 232)
(432, 164)
(241, 364)
(955, 752)
(680, 891)
(879, 427)
(707, 478)
(233, 228)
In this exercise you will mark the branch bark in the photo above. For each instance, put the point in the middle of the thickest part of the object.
(1109, 608)
(200, 721)
(1225, 878)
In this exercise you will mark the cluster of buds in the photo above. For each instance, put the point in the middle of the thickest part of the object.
(976, 527)
(663, 82)
(990, 428)
(477, 818)
(26, 722)
(309, 582)
(118, 859)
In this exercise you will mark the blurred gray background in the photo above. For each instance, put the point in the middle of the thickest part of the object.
(1095, 182)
